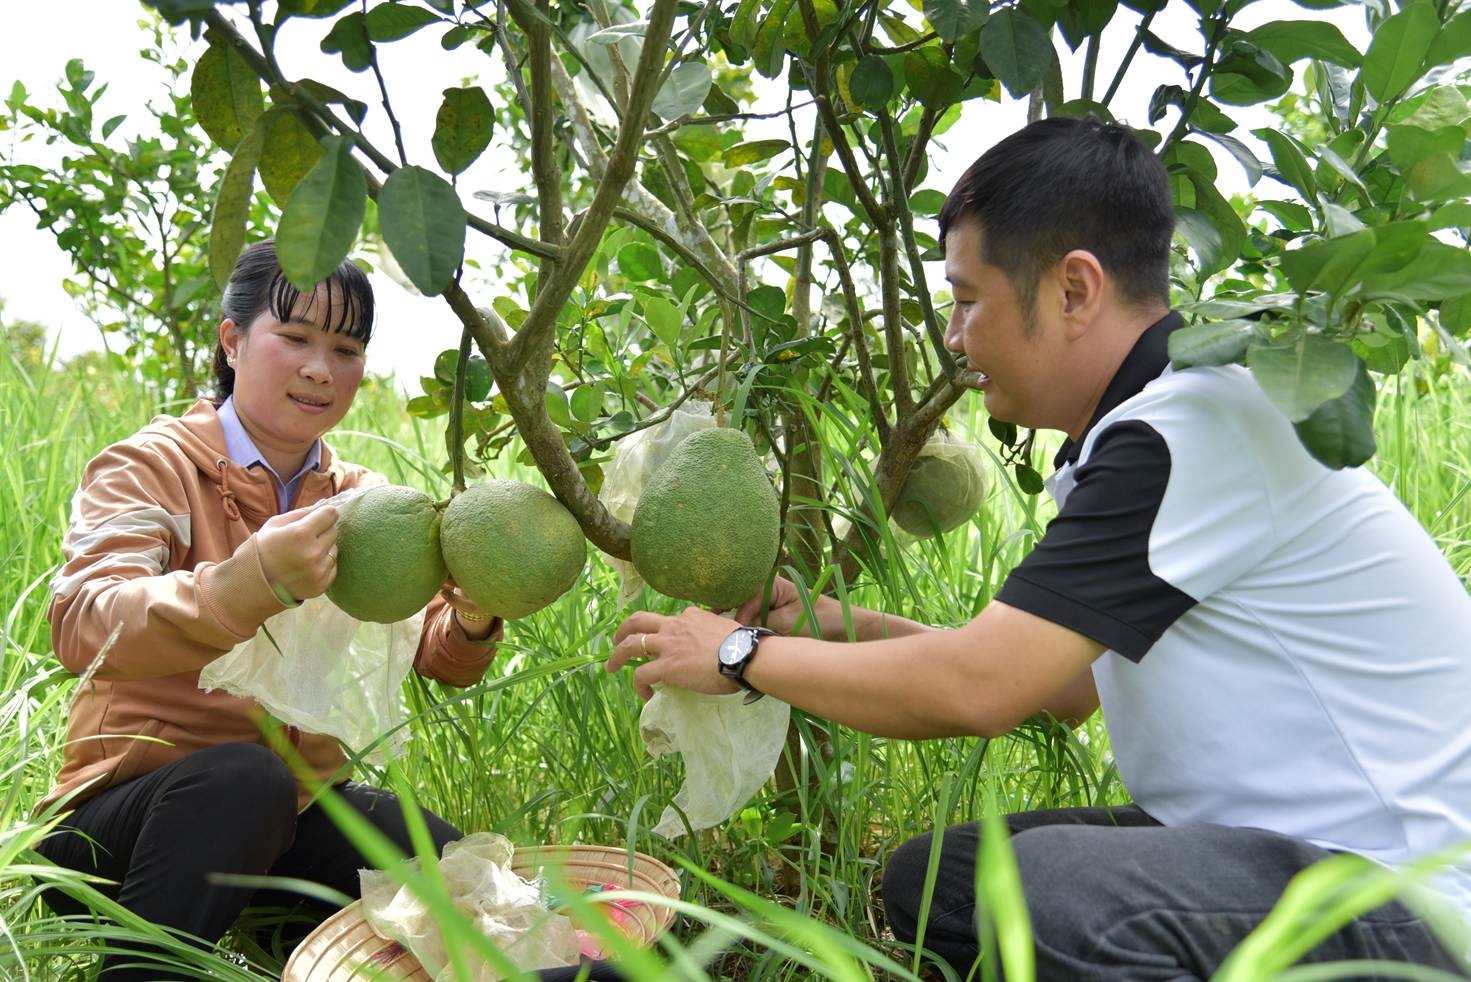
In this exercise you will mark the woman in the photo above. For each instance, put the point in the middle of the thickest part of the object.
(184, 539)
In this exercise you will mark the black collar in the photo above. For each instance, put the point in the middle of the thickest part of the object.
(1143, 364)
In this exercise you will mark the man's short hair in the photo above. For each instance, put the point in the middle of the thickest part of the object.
(1064, 184)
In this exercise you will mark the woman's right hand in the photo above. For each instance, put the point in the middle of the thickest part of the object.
(298, 551)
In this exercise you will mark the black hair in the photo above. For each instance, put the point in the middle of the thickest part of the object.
(257, 286)
(1063, 184)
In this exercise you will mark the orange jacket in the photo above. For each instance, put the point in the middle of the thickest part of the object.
(161, 577)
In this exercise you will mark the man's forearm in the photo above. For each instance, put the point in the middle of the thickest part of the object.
(867, 625)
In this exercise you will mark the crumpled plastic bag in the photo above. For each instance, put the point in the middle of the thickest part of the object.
(323, 671)
(508, 910)
(730, 749)
(946, 445)
(633, 464)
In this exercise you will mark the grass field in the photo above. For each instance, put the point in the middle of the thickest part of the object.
(547, 748)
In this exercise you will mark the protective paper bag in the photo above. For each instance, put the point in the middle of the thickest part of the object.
(729, 748)
(333, 674)
(507, 909)
(634, 462)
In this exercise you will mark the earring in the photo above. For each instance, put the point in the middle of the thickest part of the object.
(230, 360)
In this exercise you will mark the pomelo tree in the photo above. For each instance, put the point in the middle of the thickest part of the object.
(744, 215)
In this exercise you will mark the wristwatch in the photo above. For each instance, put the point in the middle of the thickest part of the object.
(735, 655)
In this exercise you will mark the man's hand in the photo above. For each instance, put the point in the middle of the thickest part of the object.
(682, 650)
(298, 550)
(782, 614)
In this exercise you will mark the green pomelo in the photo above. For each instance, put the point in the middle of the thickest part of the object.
(706, 525)
(388, 562)
(941, 493)
(511, 547)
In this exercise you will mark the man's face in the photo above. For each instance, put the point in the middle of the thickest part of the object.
(987, 323)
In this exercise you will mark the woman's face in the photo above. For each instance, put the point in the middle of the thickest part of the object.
(294, 380)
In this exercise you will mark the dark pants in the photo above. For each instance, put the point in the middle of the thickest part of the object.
(229, 809)
(1113, 895)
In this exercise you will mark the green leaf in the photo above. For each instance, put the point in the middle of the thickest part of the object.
(1340, 432)
(1408, 145)
(664, 319)
(1302, 375)
(1396, 56)
(1248, 160)
(226, 95)
(769, 52)
(927, 203)
(310, 8)
(462, 128)
(1441, 105)
(1327, 263)
(640, 262)
(1200, 233)
(1293, 40)
(618, 33)
(424, 407)
(232, 208)
(1082, 19)
(872, 83)
(1452, 41)
(1211, 343)
(349, 38)
(1438, 177)
(684, 90)
(1028, 479)
(753, 152)
(1017, 49)
(1228, 224)
(1457, 214)
(1455, 315)
(744, 24)
(1291, 164)
(558, 409)
(288, 153)
(929, 77)
(1437, 272)
(477, 379)
(954, 18)
(391, 21)
(423, 223)
(322, 216)
(1248, 74)
(587, 402)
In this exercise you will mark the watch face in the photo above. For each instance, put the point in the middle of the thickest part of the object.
(735, 647)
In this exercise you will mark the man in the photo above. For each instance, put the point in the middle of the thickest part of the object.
(1279, 649)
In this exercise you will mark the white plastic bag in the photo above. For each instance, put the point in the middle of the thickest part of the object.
(323, 671)
(507, 909)
(729, 748)
(634, 462)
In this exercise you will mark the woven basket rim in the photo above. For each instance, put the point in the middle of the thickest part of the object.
(317, 957)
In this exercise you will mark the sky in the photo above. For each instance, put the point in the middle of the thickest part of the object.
(412, 330)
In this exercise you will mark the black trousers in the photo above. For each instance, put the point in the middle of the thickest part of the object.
(1113, 895)
(229, 809)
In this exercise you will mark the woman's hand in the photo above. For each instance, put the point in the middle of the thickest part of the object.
(474, 621)
(298, 551)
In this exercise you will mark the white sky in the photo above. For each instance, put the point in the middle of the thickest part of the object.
(413, 330)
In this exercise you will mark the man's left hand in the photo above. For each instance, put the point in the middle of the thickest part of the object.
(682, 650)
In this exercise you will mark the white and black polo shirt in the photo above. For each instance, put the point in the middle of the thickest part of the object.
(1289, 650)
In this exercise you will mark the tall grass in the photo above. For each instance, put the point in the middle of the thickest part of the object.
(547, 748)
